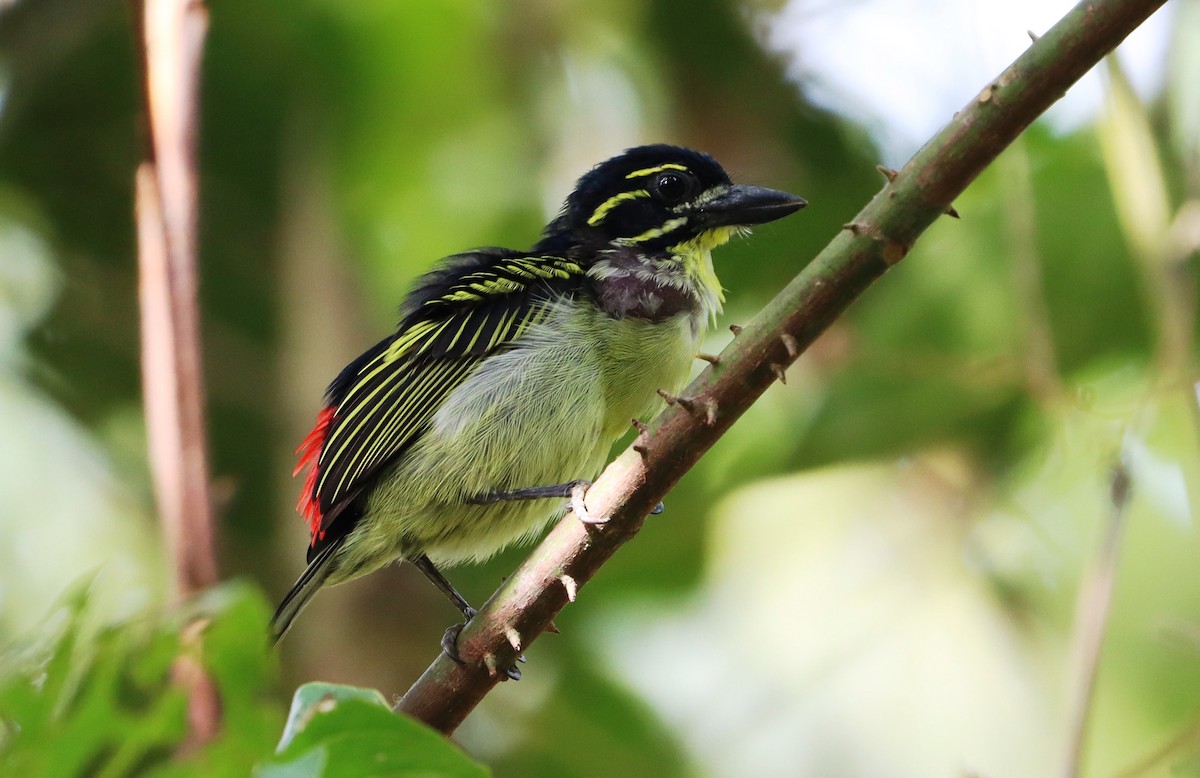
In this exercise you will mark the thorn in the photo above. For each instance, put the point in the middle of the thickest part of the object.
(710, 359)
(701, 402)
(888, 173)
(736, 329)
(514, 638)
(670, 398)
(950, 211)
(643, 435)
(789, 343)
(1033, 36)
(778, 370)
(489, 661)
(854, 227)
(569, 584)
(552, 627)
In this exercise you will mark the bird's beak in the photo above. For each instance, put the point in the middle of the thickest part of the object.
(742, 205)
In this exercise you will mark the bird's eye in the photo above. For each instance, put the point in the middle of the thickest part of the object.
(672, 188)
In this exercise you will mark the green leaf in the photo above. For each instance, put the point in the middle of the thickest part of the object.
(312, 699)
(336, 731)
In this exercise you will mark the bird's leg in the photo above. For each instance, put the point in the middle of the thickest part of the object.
(450, 636)
(572, 489)
(530, 493)
(435, 577)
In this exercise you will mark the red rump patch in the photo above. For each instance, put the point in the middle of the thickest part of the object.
(309, 452)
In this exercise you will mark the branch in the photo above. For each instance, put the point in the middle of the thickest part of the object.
(879, 237)
(1091, 616)
(173, 381)
(172, 37)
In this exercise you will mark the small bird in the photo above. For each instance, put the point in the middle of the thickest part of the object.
(512, 373)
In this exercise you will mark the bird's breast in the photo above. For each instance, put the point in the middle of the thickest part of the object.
(636, 358)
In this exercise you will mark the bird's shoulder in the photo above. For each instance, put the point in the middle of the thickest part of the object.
(466, 306)
(489, 276)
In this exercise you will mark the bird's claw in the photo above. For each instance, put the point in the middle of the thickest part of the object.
(450, 648)
(450, 643)
(578, 489)
(450, 636)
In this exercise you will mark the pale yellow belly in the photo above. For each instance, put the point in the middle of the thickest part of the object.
(546, 412)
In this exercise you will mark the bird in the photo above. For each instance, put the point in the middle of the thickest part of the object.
(511, 374)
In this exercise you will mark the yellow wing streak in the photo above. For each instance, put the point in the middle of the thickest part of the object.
(405, 342)
(465, 321)
(349, 425)
(411, 412)
(348, 428)
(502, 328)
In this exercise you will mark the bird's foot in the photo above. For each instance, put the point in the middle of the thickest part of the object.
(583, 514)
(580, 509)
(450, 643)
(450, 637)
(450, 648)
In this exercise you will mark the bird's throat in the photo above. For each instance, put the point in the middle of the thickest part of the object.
(633, 285)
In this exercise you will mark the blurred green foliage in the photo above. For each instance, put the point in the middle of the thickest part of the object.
(875, 572)
(101, 701)
(108, 702)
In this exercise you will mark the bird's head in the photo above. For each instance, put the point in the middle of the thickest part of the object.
(662, 198)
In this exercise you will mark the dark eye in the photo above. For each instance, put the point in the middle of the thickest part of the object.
(671, 188)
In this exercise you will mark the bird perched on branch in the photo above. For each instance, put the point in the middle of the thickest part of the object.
(512, 373)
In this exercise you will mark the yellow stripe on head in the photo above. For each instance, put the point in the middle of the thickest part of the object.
(670, 225)
(657, 169)
(613, 202)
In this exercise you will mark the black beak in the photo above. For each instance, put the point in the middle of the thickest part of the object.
(743, 205)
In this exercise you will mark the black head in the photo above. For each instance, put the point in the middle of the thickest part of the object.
(658, 197)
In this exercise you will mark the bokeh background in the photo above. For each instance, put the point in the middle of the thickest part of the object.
(875, 573)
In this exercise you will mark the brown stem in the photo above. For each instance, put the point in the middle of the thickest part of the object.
(173, 383)
(172, 37)
(1091, 617)
(876, 239)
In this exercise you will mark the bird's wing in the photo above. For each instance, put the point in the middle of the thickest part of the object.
(473, 306)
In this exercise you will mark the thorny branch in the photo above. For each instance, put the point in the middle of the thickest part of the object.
(878, 237)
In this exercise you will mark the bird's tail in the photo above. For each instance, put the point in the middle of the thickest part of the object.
(305, 587)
